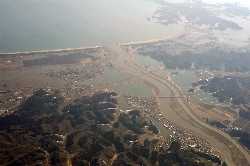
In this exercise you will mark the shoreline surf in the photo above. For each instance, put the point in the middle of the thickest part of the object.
(93, 47)
(50, 51)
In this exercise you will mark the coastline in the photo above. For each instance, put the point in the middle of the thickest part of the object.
(135, 67)
(185, 30)
(50, 51)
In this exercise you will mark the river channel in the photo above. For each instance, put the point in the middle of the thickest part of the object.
(43, 25)
(187, 121)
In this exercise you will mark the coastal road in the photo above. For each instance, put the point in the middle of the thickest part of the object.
(226, 146)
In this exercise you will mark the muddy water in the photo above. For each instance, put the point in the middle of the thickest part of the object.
(123, 105)
(29, 78)
(184, 80)
(168, 112)
(145, 60)
(109, 76)
(165, 132)
(133, 88)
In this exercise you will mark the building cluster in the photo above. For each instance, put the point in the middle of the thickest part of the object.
(187, 139)
(9, 101)
(73, 74)
(84, 72)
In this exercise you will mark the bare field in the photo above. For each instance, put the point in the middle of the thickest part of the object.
(212, 114)
(148, 135)
(11, 65)
(247, 127)
(240, 123)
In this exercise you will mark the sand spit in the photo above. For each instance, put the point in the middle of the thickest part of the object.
(51, 51)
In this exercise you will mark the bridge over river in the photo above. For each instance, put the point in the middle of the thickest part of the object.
(164, 91)
(170, 97)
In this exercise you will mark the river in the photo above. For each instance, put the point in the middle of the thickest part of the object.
(40, 25)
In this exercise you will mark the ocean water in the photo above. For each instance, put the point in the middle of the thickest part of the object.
(29, 25)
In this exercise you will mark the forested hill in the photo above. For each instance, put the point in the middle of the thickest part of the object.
(89, 131)
(230, 89)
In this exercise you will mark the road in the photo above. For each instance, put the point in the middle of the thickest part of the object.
(231, 152)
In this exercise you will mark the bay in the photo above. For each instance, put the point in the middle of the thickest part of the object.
(29, 25)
